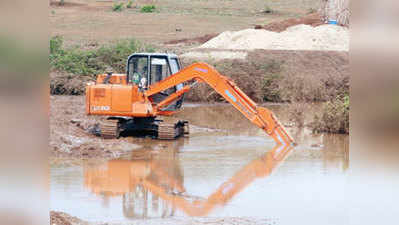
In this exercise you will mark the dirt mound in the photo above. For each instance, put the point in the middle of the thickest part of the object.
(216, 55)
(313, 19)
(196, 40)
(300, 37)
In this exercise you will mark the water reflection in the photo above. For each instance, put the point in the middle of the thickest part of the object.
(152, 185)
(131, 178)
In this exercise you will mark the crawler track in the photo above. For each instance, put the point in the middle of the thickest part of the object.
(170, 131)
(110, 129)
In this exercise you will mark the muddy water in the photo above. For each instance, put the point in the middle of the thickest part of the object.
(229, 169)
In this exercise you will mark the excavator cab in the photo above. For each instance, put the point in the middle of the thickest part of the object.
(145, 69)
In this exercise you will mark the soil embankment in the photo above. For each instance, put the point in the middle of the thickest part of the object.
(70, 132)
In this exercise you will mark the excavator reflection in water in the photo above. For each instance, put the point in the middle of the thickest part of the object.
(152, 184)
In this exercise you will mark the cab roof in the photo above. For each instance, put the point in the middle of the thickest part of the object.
(154, 54)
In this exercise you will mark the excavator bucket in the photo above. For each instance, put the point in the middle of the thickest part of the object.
(275, 129)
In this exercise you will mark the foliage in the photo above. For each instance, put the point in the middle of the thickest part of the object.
(148, 9)
(117, 7)
(129, 4)
(56, 44)
(334, 117)
(75, 60)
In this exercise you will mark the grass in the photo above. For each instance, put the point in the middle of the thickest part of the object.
(129, 4)
(117, 7)
(148, 9)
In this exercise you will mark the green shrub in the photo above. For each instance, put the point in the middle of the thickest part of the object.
(148, 8)
(117, 7)
(56, 44)
(334, 117)
(129, 4)
(93, 61)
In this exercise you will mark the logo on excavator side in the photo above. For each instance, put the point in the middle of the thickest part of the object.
(230, 95)
(101, 108)
(201, 70)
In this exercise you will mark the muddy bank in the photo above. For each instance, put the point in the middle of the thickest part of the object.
(60, 218)
(70, 135)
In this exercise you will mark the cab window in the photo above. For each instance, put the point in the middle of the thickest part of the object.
(159, 69)
(174, 65)
(138, 69)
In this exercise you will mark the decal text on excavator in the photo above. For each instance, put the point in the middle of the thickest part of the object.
(101, 108)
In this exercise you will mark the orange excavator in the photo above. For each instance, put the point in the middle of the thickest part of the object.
(127, 177)
(155, 85)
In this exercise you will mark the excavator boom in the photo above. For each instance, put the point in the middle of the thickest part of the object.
(202, 72)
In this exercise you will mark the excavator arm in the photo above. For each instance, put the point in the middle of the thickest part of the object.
(202, 72)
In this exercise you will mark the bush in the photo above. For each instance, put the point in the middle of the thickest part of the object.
(56, 44)
(93, 61)
(117, 7)
(334, 117)
(148, 9)
(129, 4)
